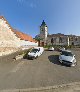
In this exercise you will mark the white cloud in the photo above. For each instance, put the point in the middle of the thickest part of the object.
(27, 3)
(32, 5)
(20, 1)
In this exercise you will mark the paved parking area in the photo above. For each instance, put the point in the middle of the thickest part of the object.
(41, 72)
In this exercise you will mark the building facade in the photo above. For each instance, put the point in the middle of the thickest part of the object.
(56, 39)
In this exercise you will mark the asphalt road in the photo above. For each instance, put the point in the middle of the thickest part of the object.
(41, 72)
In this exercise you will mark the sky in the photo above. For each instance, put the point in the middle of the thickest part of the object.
(61, 16)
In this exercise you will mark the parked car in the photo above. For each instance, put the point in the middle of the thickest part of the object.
(61, 49)
(67, 57)
(51, 49)
(35, 52)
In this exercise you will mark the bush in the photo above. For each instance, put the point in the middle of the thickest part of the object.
(26, 53)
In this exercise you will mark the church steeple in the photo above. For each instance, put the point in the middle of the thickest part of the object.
(43, 30)
(43, 23)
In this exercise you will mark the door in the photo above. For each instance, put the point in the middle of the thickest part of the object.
(42, 44)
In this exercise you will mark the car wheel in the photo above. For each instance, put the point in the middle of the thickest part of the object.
(74, 64)
(36, 57)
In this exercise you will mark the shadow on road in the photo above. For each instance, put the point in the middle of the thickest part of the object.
(54, 59)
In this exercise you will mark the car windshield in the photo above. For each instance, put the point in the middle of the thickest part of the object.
(34, 50)
(66, 53)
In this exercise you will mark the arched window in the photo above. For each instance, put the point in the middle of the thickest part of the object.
(52, 41)
(60, 39)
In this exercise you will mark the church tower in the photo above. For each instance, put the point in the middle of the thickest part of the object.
(43, 32)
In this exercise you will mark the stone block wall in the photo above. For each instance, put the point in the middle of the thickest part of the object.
(9, 41)
(7, 37)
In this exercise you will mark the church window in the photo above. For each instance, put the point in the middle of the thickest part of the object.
(76, 38)
(52, 40)
(60, 39)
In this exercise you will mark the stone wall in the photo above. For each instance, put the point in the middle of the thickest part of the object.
(7, 37)
(64, 40)
(11, 56)
(9, 41)
(57, 41)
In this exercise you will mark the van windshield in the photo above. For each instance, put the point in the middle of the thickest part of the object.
(34, 50)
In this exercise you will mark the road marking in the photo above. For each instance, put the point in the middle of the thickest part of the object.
(15, 69)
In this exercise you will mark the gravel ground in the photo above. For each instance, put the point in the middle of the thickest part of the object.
(71, 87)
(42, 72)
(10, 57)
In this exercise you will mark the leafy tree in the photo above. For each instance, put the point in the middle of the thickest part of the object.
(38, 38)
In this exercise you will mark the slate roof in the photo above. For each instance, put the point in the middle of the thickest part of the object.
(43, 23)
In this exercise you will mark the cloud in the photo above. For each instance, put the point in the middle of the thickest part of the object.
(20, 1)
(27, 3)
(32, 5)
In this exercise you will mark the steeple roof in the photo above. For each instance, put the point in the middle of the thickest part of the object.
(43, 23)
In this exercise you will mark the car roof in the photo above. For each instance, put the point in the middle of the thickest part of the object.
(38, 47)
(66, 50)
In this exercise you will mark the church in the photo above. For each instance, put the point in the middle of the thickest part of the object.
(55, 39)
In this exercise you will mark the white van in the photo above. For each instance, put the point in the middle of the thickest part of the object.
(35, 52)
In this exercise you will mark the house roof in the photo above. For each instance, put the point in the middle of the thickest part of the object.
(19, 34)
(23, 36)
(56, 35)
(61, 35)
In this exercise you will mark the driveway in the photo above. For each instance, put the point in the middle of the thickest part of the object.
(41, 72)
